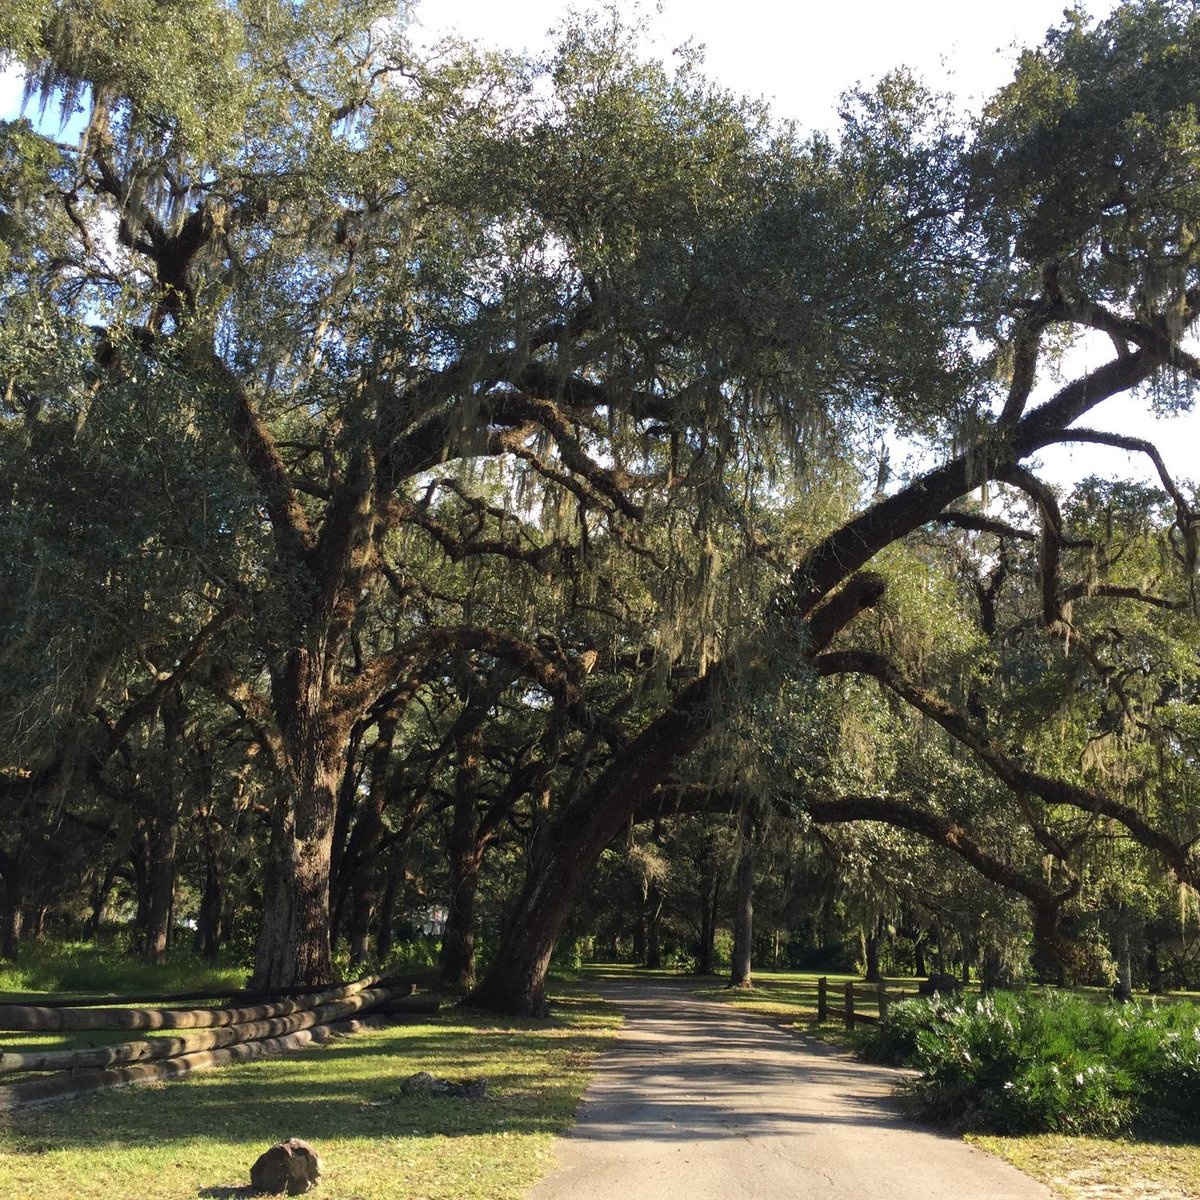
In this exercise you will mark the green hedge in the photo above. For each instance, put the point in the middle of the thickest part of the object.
(1016, 1063)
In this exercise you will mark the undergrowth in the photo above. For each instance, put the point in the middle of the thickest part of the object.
(1008, 1063)
(107, 968)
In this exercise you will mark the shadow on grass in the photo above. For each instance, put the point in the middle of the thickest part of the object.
(345, 1090)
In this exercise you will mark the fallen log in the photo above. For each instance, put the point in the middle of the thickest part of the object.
(34, 1018)
(36, 1092)
(207, 1039)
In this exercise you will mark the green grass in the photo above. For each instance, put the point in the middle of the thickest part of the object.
(85, 968)
(1088, 1168)
(198, 1136)
(790, 997)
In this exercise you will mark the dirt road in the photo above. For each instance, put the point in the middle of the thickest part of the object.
(698, 1100)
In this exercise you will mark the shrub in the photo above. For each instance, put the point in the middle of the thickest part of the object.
(895, 1039)
(1057, 1063)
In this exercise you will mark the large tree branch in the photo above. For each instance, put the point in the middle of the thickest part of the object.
(851, 546)
(953, 836)
(1005, 765)
(294, 537)
(1185, 514)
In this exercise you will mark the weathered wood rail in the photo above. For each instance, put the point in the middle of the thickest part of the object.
(852, 993)
(222, 1036)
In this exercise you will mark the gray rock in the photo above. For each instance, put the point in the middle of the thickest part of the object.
(291, 1166)
(424, 1084)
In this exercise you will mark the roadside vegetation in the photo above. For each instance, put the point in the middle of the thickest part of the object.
(1044, 1063)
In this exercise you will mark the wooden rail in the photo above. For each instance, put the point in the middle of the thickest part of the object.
(35, 1018)
(221, 1036)
(851, 993)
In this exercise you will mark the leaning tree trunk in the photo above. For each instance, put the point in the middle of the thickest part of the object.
(743, 913)
(516, 981)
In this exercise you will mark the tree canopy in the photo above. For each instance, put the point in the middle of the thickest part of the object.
(497, 447)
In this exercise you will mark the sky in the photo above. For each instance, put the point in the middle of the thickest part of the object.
(801, 57)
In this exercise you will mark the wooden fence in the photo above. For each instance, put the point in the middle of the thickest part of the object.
(218, 1035)
(873, 994)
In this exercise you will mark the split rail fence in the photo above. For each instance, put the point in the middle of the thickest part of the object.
(872, 994)
(214, 1037)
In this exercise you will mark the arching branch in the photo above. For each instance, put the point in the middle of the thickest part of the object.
(1005, 766)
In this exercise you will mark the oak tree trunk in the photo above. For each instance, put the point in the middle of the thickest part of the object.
(654, 916)
(294, 942)
(387, 913)
(871, 940)
(710, 904)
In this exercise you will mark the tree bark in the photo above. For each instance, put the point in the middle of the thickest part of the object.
(1123, 989)
(465, 856)
(364, 882)
(162, 846)
(11, 914)
(706, 953)
(743, 921)
(654, 917)
(99, 898)
(871, 940)
(212, 903)
(294, 942)
(385, 918)
(919, 954)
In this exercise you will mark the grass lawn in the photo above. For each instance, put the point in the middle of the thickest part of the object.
(84, 968)
(197, 1137)
(1093, 1168)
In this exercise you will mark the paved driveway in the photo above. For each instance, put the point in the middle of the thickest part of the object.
(699, 1100)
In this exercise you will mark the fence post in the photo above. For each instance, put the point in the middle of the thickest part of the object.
(823, 998)
(884, 1001)
(849, 1004)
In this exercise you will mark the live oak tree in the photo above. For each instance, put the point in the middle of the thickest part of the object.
(593, 323)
